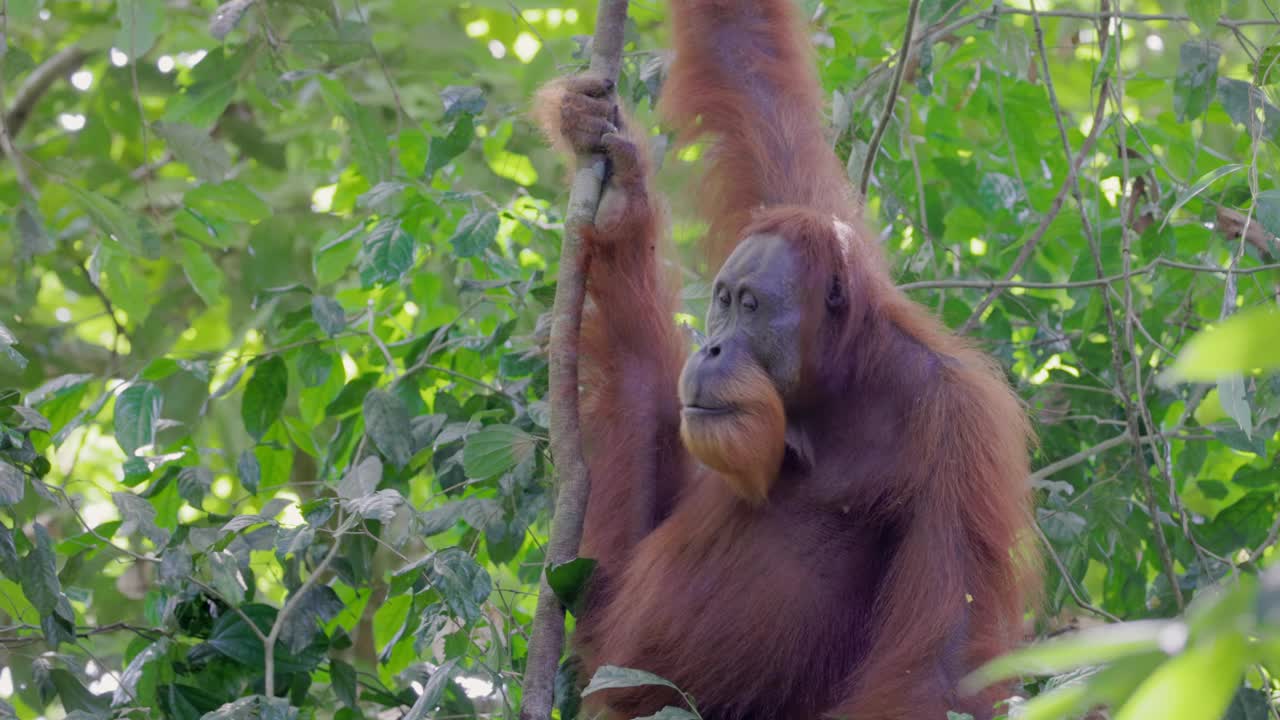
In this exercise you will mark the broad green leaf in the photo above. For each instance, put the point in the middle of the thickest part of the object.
(128, 690)
(40, 573)
(462, 583)
(202, 272)
(1234, 403)
(249, 471)
(432, 692)
(75, 697)
(1201, 185)
(462, 99)
(110, 218)
(139, 517)
(136, 411)
(13, 484)
(1205, 14)
(1197, 78)
(213, 86)
(339, 43)
(444, 149)
(1267, 208)
(1247, 341)
(1092, 646)
(264, 396)
(368, 139)
(140, 24)
(343, 679)
(312, 610)
(387, 253)
(328, 314)
(232, 637)
(205, 156)
(231, 201)
(7, 341)
(495, 450)
(1199, 683)
(31, 230)
(387, 423)
(1267, 69)
(569, 581)
(362, 480)
(612, 677)
(475, 233)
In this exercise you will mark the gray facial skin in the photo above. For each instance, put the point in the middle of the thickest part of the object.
(756, 311)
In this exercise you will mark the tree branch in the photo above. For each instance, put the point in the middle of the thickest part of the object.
(547, 641)
(869, 162)
(38, 82)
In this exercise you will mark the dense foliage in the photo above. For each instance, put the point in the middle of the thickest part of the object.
(273, 326)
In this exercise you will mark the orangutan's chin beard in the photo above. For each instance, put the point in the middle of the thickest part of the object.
(743, 436)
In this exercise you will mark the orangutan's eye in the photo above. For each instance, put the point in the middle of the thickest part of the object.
(748, 302)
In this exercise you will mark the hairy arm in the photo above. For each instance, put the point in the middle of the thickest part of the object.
(632, 351)
(744, 74)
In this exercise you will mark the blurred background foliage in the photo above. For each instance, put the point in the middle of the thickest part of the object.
(273, 300)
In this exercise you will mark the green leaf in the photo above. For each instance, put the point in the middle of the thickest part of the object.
(569, 581)
(7, 341)
(387, 423)
(1232, 398)
(461, 581)
(40, 573)
(1267, 70)
(140, 25)
(432, 692)
(213, 86)
(612, 677)
(1247, 341)
(202, 272)
(75, 697)
(495, 450)
(1201, 185)
(10, 565)
(1267, 207)
(139, 517)
(249, 471)
(110, 218)
(352, 395)
(462, 99)
(35, 238)
(231, 201)
(1205, 14)
(444, 149)
(233, 638)
(387, 253)
(333, 43)
(328, 314)
(302, 626)
(264, 396)
(1092, 646)
(192, 146)
(13, 484)
(136, 411)
(368, 140)
(1197, 79)
(343, 679)
(362, 480)
(1199, 683)
(475, 233)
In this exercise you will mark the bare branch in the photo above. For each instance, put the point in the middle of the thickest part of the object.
(38, 83)
(904, 53)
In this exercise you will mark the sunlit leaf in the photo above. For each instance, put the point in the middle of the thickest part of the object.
(1247, 341)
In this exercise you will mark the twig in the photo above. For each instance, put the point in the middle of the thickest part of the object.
(1029, 247)
(269, 644)
(869, 162)
(1136, 17)
(1068, 580)
(1117, 362)
(547, 640)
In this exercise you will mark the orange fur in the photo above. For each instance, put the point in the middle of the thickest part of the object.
(746, 446)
